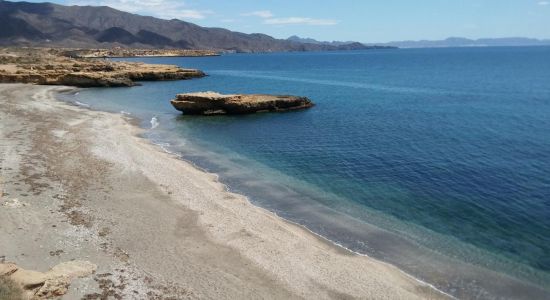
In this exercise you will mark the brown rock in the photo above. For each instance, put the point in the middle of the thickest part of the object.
(28, 279)
(7, 269)
(54, 283)
(211, 103)
(40, 66)
(53, 287)
(92, 80)
(72, 269)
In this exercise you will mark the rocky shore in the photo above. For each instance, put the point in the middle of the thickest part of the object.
(130, 52)
(212, 103)
(49, 67)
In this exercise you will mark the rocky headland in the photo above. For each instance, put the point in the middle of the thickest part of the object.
(131, 52)
(212, 103)
(51, 67)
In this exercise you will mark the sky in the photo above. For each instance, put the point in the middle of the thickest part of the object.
(366, 21)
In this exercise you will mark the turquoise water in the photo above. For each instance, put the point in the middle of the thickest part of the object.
(435, 160)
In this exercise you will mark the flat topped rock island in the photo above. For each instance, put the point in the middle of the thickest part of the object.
(212, 103)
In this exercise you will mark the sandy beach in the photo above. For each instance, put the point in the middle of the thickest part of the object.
(82, 185)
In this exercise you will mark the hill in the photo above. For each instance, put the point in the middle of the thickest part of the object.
(53, 25)
(349, 45)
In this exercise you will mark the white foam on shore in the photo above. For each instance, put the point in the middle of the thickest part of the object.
(154, 122)
(82, 104)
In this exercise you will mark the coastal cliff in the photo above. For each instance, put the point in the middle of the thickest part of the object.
(211, 103)
(49, 67)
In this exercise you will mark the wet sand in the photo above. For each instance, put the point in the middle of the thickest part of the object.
(78, 184)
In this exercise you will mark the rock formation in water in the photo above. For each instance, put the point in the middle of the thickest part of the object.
(211, 103)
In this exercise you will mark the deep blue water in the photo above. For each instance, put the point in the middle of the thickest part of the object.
(436, 160)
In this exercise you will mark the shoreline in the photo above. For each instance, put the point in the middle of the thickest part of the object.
(439, 269)
(288, 258)
(323, 239)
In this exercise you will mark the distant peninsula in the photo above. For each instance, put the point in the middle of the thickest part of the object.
(464, 42)
(348, 45)
(449, 42)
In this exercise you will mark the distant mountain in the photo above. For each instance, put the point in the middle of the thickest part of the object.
(349, 45)
(464, 42)
(298, 39)
(47, 24)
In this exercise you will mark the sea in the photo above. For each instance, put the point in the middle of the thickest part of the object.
(436, 161)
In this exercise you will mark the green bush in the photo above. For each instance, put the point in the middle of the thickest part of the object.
(9, 290)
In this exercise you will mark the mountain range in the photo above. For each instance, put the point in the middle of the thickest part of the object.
(298, 39)
(449, 42)
(464, 42)
(47, 24)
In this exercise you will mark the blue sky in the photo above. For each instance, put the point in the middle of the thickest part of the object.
(358, 20)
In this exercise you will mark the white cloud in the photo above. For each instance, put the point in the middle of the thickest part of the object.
(166, 9)
(186, 14)
(259, 13)
(269, 18)
(544, 2)
(300, 21)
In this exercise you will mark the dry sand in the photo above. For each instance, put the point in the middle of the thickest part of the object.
(78, 184)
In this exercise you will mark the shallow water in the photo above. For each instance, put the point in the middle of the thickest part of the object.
(435, 160)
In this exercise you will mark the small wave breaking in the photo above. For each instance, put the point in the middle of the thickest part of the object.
(82, 104)
(154, 122)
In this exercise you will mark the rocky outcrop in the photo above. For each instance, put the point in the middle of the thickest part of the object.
(130, 52)
(211, 103)
(47, 285)
(90, 80)
(43, 66)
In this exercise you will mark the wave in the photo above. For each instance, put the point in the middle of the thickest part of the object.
(154, 122)
(82, 104)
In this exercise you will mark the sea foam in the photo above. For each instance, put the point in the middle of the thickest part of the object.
(154, 122)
